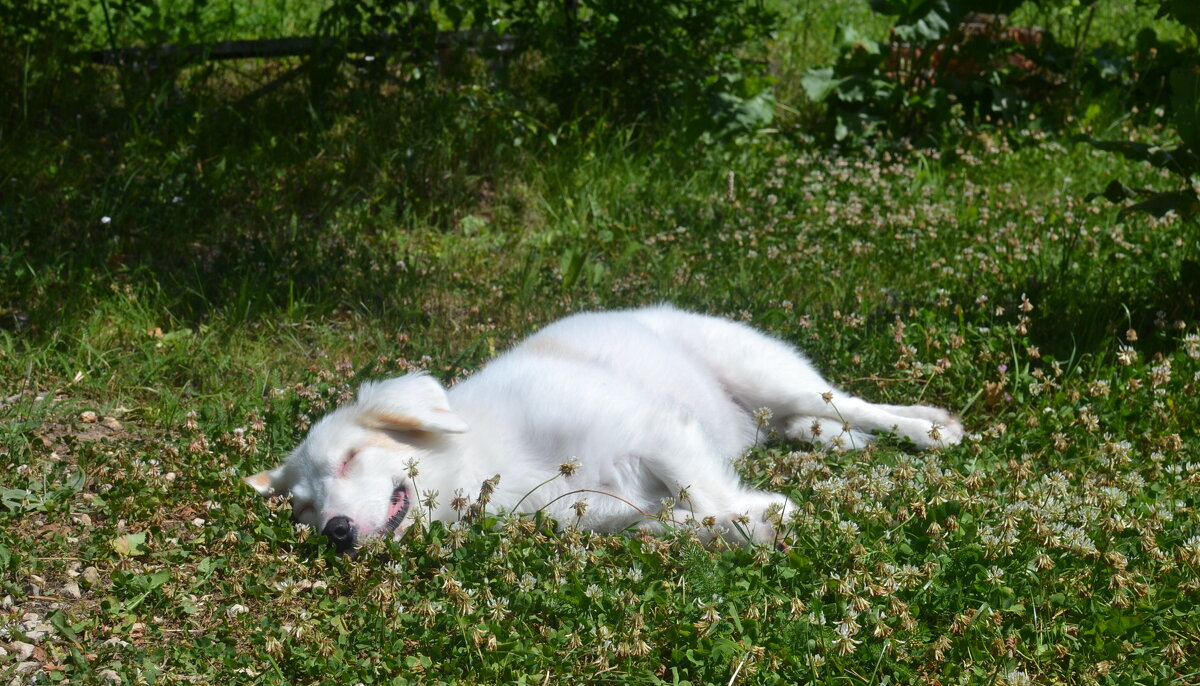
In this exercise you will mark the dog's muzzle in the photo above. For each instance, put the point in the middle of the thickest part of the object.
(341, 533)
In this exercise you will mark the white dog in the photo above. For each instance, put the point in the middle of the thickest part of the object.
(650, 403)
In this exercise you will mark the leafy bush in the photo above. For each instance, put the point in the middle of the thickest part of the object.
(653, 59)
(39, 35)
(1183, 160)
(667, 60)
(945, 62)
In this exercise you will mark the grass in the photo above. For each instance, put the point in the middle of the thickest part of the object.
(258, 261)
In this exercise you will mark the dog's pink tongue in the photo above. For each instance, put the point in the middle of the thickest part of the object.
(399, 502)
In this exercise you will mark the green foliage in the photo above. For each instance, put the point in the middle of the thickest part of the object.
(1182, 11)
(1182, 160)
(378, 29)
(700, 65)
(932, 76)
(39, 35)
(674, 60)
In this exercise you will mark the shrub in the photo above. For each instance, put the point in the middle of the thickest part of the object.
(676, 61)
(1182, 81)
(656, 59)
(945, 63)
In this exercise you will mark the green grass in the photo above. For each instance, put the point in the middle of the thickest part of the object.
(181, 21)
(260, 260)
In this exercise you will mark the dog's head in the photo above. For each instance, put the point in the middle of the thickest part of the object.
(348, 478)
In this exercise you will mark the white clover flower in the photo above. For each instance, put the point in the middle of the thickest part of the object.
(1017, 678)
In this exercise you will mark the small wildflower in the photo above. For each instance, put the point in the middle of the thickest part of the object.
(845, 645)
(1174, 653)
(569, 467)
(1017, 678)
(429, 499)
(1126, 355)
(527, 582)
(762, 417)
(848, 529)
(1189, 552)
(1160, 374)
(995, 576)
(796, 607)
(940, 646)
(1191, 345)
(709, 613)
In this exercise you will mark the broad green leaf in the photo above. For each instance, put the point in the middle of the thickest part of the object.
(1183, 203)
(18, 500)
(1186, 12)
(819, 82)
(130, 544)
(1114, 192)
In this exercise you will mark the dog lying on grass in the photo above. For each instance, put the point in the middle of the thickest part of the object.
(649, 403)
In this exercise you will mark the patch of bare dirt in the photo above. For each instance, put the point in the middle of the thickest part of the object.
(60, 436)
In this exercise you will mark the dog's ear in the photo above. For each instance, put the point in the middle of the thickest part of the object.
(269, 482)
(414, 402)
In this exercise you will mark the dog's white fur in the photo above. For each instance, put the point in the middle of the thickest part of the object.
(649, 402)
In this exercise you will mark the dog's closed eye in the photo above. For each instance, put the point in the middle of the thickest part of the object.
(346, 462)
(301, 510)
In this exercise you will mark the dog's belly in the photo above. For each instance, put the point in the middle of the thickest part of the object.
(586, 365)
(619, 343)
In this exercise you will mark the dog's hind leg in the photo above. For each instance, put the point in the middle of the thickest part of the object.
(758, 520)
(679, 454)
(760, 371)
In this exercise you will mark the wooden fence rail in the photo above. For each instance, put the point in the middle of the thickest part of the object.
(287, 47)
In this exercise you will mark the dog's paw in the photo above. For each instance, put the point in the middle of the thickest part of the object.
(935, 427)
(764, 517)
(949, 433)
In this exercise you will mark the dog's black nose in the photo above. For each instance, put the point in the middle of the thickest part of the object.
(340, 532)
